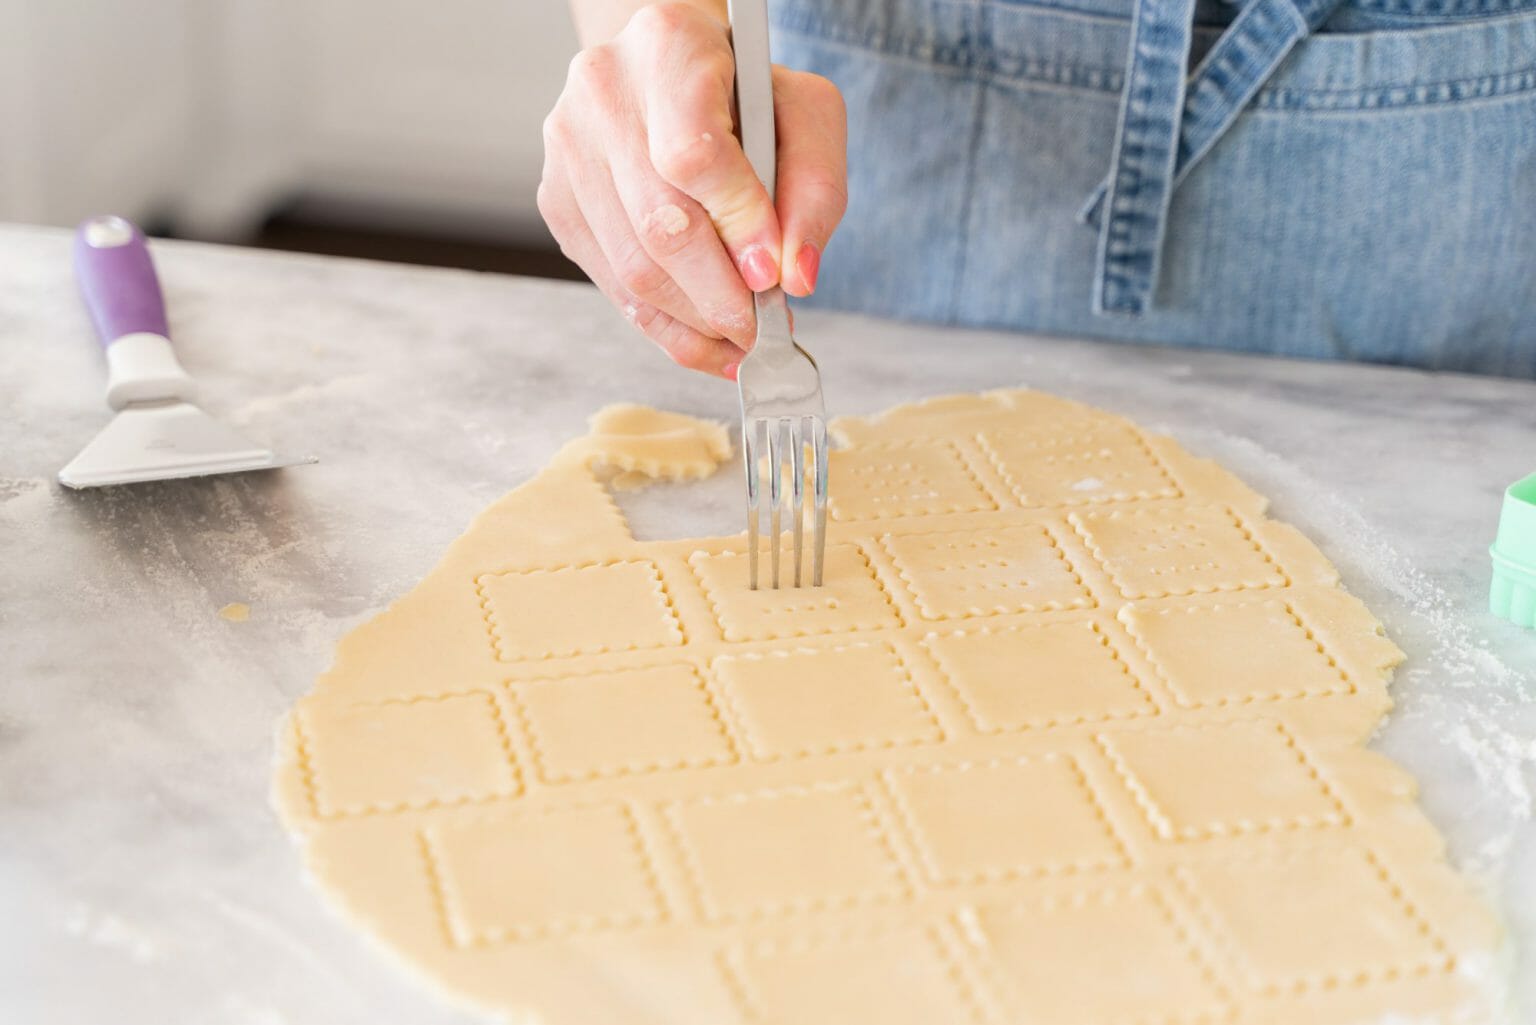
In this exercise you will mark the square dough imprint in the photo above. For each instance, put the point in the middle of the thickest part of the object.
(1035, 676)
(551, 614)
(428, 751)
(626, 721)
(772, 852)
(821, 700)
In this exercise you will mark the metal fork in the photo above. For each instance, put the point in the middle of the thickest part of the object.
(781, 401)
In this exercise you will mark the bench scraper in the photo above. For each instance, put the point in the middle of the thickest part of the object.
(157, 434)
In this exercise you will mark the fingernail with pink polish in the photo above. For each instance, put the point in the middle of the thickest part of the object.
(758, 269)
(808, 263)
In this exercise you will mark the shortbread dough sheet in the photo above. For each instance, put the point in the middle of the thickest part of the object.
(1073, 734)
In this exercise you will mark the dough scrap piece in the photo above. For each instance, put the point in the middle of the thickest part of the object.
(642, 443)
(1074, 734)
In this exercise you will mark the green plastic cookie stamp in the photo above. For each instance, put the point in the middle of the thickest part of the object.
(1513, 595)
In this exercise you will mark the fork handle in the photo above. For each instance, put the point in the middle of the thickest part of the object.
(772, 317)
(754, 122)
(754, 88)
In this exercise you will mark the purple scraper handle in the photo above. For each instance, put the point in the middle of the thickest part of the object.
(117, 279)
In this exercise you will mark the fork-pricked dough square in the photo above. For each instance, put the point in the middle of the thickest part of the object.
(1082, 465)
(962, 574)
(851, 598)
(898, 481)
(1160, 550)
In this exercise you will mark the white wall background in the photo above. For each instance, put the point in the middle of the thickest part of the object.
(209, 111)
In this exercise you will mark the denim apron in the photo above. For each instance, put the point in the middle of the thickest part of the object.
(1348, 179)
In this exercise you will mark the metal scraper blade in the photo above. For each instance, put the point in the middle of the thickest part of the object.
(164, 441)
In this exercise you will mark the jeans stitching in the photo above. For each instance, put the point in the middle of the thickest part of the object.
(1144, 160)
(1394, 97)
(1439, 8)
(1006, 67)
(1001, 63)
(972, 151)
(1400, 8)
(1272, 36)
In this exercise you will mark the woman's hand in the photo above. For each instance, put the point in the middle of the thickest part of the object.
(647, 189)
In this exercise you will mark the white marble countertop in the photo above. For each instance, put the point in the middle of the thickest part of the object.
(143, 877)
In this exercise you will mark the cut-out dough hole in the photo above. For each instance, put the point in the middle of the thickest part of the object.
(668, 511)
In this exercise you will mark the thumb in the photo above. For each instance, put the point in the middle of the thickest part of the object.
(812, 173)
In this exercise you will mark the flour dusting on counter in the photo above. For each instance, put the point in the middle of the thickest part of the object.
(1450, 676)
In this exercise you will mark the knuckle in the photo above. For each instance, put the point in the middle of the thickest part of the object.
(648, 320)
(658, 21)
(829, 194)
(556, 211)
(741, 208)
(807, 87)
(595, 66)
(834, 100)
(685, 160)
(549, 209)
(706, 92)
(714, 68)
(822, 91)
(683, 352)
(789, 83)
(641, 277)
(556, 131)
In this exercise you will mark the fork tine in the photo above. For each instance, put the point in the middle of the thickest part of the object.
(796, 428)
(819, 495)
(750, 451)
(775, 493)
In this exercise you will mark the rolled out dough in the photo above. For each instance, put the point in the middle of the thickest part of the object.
(1073, 734)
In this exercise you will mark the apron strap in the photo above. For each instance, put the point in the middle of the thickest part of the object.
(1167, 125)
